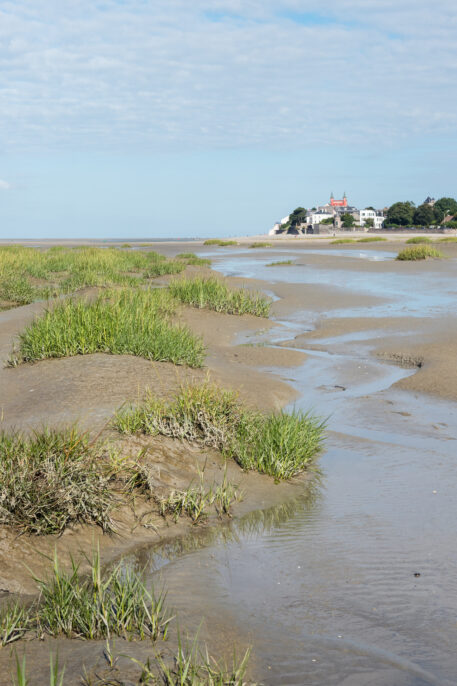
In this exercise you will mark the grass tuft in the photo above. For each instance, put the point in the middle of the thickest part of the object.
(99, 606)
(371, 239)
(218, 241)
(338, 241)
(421, 252)
(14, 622)
(280, 264)
(261, 244)
(192, 259)
(448, 239)
(279, 444)
(214, 294)
(50, 480)
(419, 239)
(124, 322)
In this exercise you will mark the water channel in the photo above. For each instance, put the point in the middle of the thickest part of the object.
(354, 584)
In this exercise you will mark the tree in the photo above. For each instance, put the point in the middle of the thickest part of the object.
(298, 216)
(400, 214)
(447, 205)
(370, 208)
(424, 215)
(347, 220)
(369, 222)
(438, 214)
(329, 220)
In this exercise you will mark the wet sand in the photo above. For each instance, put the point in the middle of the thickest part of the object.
(89, 389)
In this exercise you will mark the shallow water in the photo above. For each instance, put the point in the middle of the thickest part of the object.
(355, 585)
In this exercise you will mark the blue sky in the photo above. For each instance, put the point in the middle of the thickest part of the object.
(148, 118)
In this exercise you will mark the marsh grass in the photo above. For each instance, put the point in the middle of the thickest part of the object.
(28, 274)
(192, 259)
(214, 294)
(261, 244)
(420, 252)
(339, 241)
(280, 263)
(50, 480)
(219, 242)
(448, 239)
(193, 666)
(56, 675)
(14, 622)
(371, 239)
(419, 239)
(98, 606)
(279, 444)
(195, 501)
(124, 322)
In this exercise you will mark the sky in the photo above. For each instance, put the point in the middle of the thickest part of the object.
(173, 118)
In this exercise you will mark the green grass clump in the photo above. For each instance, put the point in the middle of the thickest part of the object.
(421, 252)
(50, 480)
(218, 241)
(278, 444)
(196, 500)
(28, 274)
(214, 294)
(371, 239)
(279, 264)
(191, 258)
(261, 244)
(14, 622)
(449, 239)
(98, 606)
(343, 240)
(419, 239)
(123, 322)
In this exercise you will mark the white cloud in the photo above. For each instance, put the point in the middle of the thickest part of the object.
(225, 72)
(4, 185)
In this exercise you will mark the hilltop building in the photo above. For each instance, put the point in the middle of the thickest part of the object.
(326, 218)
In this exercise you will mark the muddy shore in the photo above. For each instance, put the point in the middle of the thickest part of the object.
(87, 390)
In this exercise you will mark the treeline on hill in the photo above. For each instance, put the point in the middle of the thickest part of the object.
(407, 214)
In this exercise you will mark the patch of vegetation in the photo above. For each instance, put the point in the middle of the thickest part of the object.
(126, 245)
(279, 264)
(50, 480)
(421, 252)
(261, 244)
(191, 258)
(279, 444)
(196, 500)
(343, 240)
(29, 274)
(98, 606)
(449, 239)
(419, 239)
(214, 294)
(371, 239)
(219, 242)
(123, 322)
(14, 622)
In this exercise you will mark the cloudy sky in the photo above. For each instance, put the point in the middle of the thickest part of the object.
(208, 117)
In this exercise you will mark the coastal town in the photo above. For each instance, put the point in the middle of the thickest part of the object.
(338, 215)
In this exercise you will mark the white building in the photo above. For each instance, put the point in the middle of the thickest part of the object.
(378, 219)
(318, 216)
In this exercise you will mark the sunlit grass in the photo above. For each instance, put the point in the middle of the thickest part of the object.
(338, 241)
(281, 263)
(124, 322)
(261, 244)
(50, 480)
(448, 239)
(421, 252)
(29, 274)
(371, 239)
(214, 294)
(279, 444)
(191, 258)
(419, 239)
(219, 242)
